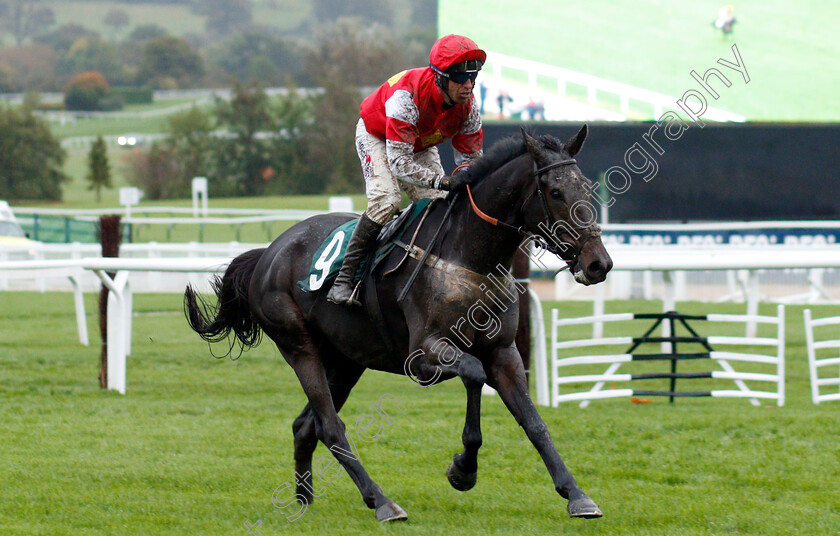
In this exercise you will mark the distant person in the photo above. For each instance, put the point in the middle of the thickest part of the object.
(401, 124)
(535, 109)
(725, 19)
(503, 99)
(482, 92)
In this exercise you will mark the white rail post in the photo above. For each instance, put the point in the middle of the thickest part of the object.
(539, 361)
(780, 337)
(79, 302)
(199, 191)
(752, 301)
(117, 326)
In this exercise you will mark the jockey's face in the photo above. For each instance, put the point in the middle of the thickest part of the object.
(460, 93)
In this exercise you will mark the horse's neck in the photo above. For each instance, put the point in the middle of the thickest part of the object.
(477, 244)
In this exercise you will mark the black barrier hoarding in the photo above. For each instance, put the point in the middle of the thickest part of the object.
(721, 172)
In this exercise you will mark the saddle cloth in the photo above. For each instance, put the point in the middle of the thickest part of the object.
(327, 260)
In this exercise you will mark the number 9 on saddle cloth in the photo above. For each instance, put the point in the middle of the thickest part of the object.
(327, 260)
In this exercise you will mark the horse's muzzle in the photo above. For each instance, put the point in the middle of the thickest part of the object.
(589, 271)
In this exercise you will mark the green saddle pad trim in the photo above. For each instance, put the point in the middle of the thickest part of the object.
(326, 262)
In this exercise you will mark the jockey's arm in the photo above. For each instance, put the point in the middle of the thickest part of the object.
(469, 141)
(406, 169)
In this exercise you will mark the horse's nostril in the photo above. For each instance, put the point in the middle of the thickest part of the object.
(596, 270)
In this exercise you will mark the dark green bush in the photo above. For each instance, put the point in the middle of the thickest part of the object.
(82, 99)
(111, 103)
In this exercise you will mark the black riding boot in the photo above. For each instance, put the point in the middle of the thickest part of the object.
(364, 236)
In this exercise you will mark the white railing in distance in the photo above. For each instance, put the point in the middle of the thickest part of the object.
(626, 93)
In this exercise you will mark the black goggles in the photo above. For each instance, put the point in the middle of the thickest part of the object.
(461, 78)
(466, 70)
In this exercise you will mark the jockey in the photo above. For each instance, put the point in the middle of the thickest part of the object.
(400, 126)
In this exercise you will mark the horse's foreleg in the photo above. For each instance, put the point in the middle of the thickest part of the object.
(507, 376)
(462, 471)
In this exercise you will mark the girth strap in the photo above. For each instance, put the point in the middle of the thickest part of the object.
(432, 260)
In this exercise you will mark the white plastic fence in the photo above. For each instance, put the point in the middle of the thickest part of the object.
(818, 344)
(119, 296)
(571, 361)
(151, 281)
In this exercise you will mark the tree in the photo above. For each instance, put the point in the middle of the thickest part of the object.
(85, 91)
(192, 145)
(361, 54)
(330, 138)
(346, 56)
(116, 19)
(170, 60)
(99, 170)
(225, 16)
(257, 55)
(244, 155)
(153, 171)
(92, 54)
(370, 10)
(30, 68)
(31, 158)
(25, 18)
(289, 149)
(63, 37)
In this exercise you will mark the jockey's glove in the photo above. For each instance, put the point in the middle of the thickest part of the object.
(455, 182)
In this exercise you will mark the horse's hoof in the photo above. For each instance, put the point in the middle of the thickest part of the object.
(584, 507)
(390, 512)
(459, 479)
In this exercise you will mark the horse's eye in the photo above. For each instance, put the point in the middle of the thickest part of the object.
(556, 194)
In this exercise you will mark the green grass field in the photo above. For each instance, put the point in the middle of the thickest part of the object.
(198, 445)
(177, 19)
(655, 44)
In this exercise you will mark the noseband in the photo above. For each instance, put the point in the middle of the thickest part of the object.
(540, 240)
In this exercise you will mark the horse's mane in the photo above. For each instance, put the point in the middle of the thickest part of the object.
(505, 150)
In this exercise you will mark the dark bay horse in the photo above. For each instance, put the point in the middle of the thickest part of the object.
(458, 318)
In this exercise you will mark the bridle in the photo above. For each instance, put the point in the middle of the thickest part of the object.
(594, 231)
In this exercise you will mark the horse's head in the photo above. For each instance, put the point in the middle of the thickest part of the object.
(560, 211)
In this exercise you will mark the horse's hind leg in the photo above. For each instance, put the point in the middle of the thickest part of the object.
(297, 347)
(507, 375)
(342, 379)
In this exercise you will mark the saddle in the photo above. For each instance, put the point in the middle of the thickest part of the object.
(327, 260)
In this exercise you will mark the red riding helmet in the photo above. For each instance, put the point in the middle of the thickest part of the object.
(455, 51)
(452, 49)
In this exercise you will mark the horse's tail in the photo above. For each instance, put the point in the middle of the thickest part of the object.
(214, 323)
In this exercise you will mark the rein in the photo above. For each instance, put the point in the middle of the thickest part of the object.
(541, 240)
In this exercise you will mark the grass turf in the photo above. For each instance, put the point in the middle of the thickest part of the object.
(199, 445)
(655, 44)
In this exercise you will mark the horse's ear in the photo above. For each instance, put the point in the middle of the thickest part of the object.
(576, 142)
(532, 145)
